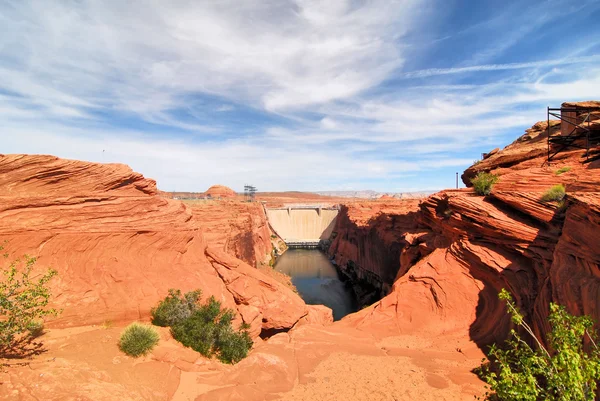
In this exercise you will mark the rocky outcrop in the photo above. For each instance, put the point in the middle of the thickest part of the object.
(470, 247)
(118, 247)
(219, 192)
(370, 241)
(238, 228)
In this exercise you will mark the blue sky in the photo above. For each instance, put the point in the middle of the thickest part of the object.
(289, 95)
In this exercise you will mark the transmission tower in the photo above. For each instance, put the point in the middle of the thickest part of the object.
(249, 193)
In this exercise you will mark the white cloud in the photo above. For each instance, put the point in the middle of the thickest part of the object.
(499, 67)
(144, 56)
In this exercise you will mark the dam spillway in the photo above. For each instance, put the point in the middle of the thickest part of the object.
(302, 225)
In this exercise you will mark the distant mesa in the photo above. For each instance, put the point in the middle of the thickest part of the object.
(386, 197)
(220, 191)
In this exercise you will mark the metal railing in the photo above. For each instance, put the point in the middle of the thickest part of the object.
(579, 130)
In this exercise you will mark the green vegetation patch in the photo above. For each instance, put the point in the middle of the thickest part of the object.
(138, 339)
(206, 328)
(562, 371)
(554, 194)
(563, 170)
(23, 301)
(483, 183)
(175, 308)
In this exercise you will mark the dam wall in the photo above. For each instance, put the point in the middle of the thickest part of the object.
(302, 224)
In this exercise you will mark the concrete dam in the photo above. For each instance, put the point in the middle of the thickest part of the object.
(302, 225)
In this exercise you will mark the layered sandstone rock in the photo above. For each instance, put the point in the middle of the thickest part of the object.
(464, 248)
(238, 228)
(369, 240)
(118, 247)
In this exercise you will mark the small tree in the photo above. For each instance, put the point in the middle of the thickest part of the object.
(564, 372)
(483, 183)
(23, 300)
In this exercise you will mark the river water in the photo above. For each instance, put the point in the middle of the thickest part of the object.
(317, 280)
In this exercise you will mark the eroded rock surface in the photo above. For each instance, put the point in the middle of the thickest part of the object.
(371, 238)
(461, 248)
(238, 228)
(118, 247)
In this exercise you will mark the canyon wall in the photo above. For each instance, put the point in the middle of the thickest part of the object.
(369, 239)
(462, 248)
(302, 224)
(238, 228)
(118, 247)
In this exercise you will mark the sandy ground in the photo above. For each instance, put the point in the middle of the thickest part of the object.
(313, 363)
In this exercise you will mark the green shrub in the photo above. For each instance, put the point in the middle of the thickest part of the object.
(175, 308)
(207, 328)
(556, 193)
(525, 373)
(23, 300)
(35, 328)
(483, 182)
(138, 339)
(563, 170)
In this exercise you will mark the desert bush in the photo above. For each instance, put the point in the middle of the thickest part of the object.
(207, 328)
(175, 308)
(138, 339)
(233, 346)
(23, 300)
(483, 182)
(35, 328)
(556, 193)
(563, 372)
(563, 170)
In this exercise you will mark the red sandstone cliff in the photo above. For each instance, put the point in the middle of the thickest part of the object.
(238, 228)
(465, 248)
(370, 240)
(118, 247)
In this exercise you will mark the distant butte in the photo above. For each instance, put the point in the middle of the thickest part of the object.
(220, 191)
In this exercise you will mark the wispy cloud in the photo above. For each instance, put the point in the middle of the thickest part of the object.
(499, 67)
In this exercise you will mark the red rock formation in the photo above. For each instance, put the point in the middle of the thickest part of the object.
(118, 247)
(370, 240)
(465, 247)
(238, 228)
(220, 192)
